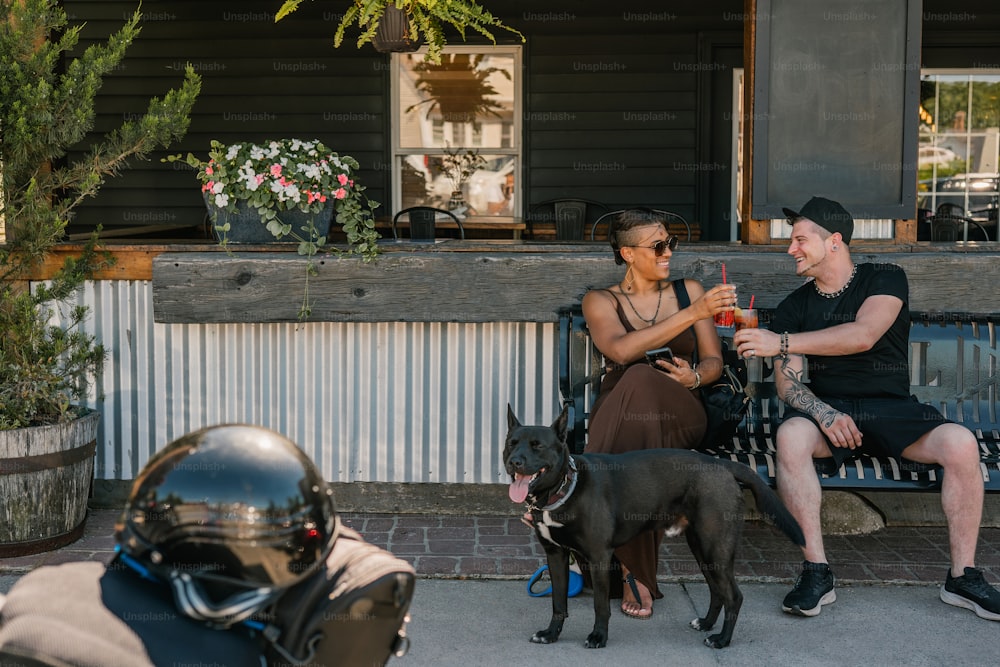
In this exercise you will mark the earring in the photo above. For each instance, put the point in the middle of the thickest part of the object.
(629, 278)
(834, 247)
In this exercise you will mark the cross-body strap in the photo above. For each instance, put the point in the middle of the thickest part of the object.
(683, 301)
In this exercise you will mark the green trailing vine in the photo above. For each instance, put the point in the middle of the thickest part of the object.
(427, 20)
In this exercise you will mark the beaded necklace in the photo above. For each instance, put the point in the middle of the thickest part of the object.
(659, 300)
(834, 295)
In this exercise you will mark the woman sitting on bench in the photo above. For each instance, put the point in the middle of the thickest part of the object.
(642, 405)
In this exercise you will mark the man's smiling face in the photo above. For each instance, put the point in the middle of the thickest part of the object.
(808, 246)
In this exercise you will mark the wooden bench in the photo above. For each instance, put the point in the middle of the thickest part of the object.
(954, 363)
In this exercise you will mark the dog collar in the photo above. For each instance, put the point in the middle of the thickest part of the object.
(564, 491)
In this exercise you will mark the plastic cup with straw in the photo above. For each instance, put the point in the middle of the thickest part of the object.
(746, 318)
(725, 318)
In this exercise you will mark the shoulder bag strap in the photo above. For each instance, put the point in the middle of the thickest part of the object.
(683, 301)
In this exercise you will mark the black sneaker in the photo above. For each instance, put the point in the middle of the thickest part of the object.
(971, 591)
(813, 589)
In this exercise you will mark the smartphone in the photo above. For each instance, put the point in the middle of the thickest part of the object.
(664, 353)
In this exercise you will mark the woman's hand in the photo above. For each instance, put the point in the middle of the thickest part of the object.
(719, 299)
(680, 371)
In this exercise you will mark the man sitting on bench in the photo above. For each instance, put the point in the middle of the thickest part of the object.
(852, 321)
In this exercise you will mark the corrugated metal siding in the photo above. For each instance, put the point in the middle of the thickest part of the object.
(392, 402)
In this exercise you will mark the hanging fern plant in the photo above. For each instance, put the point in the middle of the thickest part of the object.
(427, 19)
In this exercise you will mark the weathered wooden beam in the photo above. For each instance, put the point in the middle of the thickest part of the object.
(132, 261)
(497, 286)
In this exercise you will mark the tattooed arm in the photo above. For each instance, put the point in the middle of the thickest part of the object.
(839, 428)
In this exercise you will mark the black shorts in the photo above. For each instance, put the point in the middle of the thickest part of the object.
(888, 426)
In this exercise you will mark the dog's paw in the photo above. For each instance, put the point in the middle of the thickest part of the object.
(701, 624)
(596, 640)
(715, 641)
(544, 637)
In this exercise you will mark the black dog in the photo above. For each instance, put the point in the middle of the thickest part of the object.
(593, 503)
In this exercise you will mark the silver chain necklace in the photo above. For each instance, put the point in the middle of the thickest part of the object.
(659, 300)
(834, 295)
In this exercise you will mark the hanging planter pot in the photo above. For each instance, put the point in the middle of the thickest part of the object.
(392, 35)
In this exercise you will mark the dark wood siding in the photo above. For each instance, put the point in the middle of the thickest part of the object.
(612, 96)
(611, 121)
(624, 103)
(260, 80)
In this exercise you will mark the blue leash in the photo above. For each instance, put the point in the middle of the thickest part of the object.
(575, 580)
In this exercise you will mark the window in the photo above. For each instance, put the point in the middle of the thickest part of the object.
(959, 149)
(457, 131)
(958, 157)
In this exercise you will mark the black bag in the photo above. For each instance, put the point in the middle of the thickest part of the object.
(85, 615)
(352, 613)
(725, 401)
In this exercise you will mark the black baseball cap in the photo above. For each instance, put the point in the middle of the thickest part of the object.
(826, 213)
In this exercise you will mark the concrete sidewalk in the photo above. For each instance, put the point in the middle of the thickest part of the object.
(487, 623)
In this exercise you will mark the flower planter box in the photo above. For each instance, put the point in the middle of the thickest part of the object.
(245, 225)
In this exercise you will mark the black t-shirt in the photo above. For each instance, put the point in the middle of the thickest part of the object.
(882, 371)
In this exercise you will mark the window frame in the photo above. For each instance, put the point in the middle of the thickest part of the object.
(930, 197)
(397, 152)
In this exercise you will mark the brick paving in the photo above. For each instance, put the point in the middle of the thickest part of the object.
(493, 547)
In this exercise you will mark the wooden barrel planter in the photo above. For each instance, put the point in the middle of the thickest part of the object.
(45, 478)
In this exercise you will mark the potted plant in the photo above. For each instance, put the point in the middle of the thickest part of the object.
(47, 369)
(458, 166)
(458, 87)
(285, 189)
(427, 20)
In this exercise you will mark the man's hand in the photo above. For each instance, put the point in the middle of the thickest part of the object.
(839, 428)
(752, 343)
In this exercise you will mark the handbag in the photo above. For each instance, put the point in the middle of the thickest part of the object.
(725, 400)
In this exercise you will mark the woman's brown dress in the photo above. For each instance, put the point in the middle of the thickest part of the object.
(640, 407)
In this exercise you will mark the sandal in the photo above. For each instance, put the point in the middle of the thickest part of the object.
(635, 613)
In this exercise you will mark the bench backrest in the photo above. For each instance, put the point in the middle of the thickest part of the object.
(953, 366)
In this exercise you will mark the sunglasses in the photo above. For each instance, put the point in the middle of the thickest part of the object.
(661, 247)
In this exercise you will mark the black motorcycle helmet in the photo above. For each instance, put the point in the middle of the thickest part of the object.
(230, 516)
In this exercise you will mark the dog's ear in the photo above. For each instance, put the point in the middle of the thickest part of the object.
(512, 421)
(560, 424)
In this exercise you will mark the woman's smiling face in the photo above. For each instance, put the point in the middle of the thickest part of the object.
(643, 256)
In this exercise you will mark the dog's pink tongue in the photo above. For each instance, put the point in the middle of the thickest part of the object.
(518, 490)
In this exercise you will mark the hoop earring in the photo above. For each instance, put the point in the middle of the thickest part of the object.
(629, 280)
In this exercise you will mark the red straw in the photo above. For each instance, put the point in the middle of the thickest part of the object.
(723, 273)
(751, 300)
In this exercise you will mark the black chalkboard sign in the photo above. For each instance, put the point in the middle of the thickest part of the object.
(836, 88)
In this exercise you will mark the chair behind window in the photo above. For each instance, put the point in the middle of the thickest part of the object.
(949, 222)
(571, 216)
(674, 222)
(423, 222)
